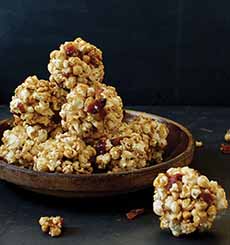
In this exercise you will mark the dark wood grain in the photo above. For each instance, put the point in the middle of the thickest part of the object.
(179, 152)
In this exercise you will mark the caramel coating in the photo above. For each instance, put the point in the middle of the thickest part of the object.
(77, 121)
(92, 111)
(51, 225)
(21, 144)
(76, 62)
(66, 153)
(134, 146)
(37, 102)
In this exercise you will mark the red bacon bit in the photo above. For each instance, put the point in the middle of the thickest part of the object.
(101, 146)
(132, 214)
(173, 179)
(21, 108)
(94, 58)
(96, 106)
(116, 141)
(102, 113)
(225, 148)
(71, 50)
(207, 197)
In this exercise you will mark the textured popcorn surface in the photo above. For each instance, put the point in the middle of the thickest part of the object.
(76, 62)
(21, 144)
(51, 225)
(134, 146)
(187, 201)
(66, 153)
(37, 102)
(74, 123)
(92, 111)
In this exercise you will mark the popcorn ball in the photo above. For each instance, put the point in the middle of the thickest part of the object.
(37, 102)
(51, 225)
(21, 144)
(135, 146)
(76, 62)
(92, 111)
(66, 153)
(187, 201)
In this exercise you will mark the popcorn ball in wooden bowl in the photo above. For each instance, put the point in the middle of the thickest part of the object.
(76, 62)
(187, 201)
(92, 111)
(66, 153)
(134, 146)
(37, 102)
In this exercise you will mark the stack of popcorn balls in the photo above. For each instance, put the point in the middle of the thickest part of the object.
(73, 123)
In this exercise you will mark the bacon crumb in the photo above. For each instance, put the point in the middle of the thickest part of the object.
(132, 214)
(173, 179)
(225, 148)
(21, 108)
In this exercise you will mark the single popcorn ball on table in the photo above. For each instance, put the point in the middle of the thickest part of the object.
(66, 153)
(21, 144)
(76, 62)
(136, 145)
(51, 225)
(37, 102)
(92, 111)
(187, 201)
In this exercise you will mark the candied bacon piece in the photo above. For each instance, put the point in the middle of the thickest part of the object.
(207, 197)
(173, 179)
(225, 148)
(71, 50)
(96, 106)
(116, 141)
(132, 214)
(101, 146)
(21, 108)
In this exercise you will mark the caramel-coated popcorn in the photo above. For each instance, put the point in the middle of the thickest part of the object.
(21, 144)
(76, 62)
(187, 201)
(37, 102)
(92, 111)
(51, 225)
(227, 135)
(77, 122)
(133, 147)
(66, 153)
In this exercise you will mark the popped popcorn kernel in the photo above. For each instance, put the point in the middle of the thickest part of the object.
(227, 136)
(51, 225)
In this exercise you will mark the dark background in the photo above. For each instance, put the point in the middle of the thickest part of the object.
(155, 52)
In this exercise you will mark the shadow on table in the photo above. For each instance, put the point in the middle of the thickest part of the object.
(165, 237)
(123, 202)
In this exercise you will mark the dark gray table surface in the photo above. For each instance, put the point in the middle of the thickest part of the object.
(102, 221)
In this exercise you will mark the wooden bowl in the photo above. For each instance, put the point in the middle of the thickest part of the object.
(179, 152)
